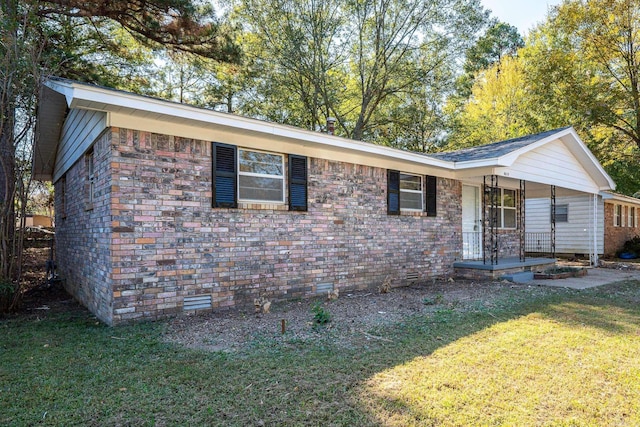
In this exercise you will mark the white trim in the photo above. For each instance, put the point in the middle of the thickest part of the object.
(283, 177)
(143, 113)
(421, 192)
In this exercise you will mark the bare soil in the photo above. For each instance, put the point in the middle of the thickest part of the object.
(357, 318)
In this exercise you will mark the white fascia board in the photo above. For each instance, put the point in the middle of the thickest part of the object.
(64, 88)
(93, 97)
(608, 195)
(484, 163)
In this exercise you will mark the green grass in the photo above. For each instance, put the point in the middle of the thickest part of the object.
(556, 357)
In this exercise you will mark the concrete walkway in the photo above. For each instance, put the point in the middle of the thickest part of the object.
(595, 277)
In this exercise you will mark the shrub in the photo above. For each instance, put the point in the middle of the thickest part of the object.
(7, 290)
(320, 315)
(631, 246)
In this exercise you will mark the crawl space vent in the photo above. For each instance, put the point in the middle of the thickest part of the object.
(197, 302)
(412, 277)
(323, 288)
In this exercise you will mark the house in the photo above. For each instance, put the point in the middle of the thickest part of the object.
(35, 220)
(164, 208)
(614, 216)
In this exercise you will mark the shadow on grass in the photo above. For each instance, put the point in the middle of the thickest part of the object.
(564, 360)
(75, 371)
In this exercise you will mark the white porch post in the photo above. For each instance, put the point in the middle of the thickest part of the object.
(594, 255)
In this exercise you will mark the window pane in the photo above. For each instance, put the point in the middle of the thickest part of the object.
(262, 163)
(257, 188)
(562, 213)
(509, 198)
(509, 218)
(410, 182)
(410, 200)
(499, 219)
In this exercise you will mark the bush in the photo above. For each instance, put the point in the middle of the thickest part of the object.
(631, 246)
(320, 315)
(6, 295)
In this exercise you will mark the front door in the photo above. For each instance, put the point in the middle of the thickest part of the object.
(471, 223)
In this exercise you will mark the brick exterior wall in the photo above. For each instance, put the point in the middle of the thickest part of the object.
(614, 237)
(163, 241)
(83, 231)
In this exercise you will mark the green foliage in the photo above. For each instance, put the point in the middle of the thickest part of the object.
(7, 290)
(363, 63)
(632, 246)
(500, 40)
(321, 315)
(438, 299)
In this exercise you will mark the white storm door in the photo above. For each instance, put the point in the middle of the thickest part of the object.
(471, 223)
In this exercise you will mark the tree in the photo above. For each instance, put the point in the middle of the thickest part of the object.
(583, 67)
(579, 68)
(70, 38)
(499, 107)
(352, 59)
(500, 40)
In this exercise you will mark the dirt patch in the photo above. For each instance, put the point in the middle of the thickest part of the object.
(357, 318)
(40, 298)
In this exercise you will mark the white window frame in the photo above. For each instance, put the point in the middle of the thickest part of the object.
(502, 208)
(631, 219)
(617, 215)
(261, 175)
(421, 192)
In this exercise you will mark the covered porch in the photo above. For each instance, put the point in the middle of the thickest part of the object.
(498, 179)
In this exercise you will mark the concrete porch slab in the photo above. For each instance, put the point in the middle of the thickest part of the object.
(506, 266)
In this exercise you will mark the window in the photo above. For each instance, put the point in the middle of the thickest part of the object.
(632, 216)
(562, 213)
(412, 193)
(90, 187)
(617, 215)
(260, 176)
(63, 196)
(256, 176)
(506, 208)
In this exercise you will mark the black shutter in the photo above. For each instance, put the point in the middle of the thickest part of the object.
(431, 195)
(297, 183)
(224, 176)
(393, 192)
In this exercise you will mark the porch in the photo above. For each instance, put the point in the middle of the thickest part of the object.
(469, 269)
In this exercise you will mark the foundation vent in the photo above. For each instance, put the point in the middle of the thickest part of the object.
(197, 302)
(323, 288)
(412, 277)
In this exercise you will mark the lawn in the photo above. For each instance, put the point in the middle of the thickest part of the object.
(560, 357)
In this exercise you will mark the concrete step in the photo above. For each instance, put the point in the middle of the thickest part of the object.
(521, 277)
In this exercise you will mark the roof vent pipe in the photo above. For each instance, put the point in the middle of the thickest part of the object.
(331, 125)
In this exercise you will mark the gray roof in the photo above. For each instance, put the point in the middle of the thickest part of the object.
(494, 150)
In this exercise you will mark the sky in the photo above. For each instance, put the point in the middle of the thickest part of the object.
(522, 14)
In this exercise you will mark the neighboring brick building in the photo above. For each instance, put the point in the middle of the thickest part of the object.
(163, 208)
(620, 222)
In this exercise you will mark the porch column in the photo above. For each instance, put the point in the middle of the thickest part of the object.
(553, 221)
(490, 199)
(593, 256)
(521, 209)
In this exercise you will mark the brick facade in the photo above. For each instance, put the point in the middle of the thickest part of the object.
(615, 236)
(83, 231)
(152, 238)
